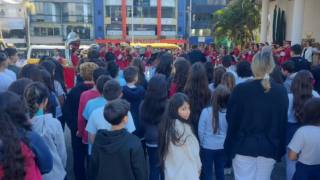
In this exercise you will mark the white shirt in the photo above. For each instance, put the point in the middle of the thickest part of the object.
(58, 88)
(5, 82)
(306, 142)
(308, 54)
(97, 121)
(11, 74)
(242, 80)
(234, 73)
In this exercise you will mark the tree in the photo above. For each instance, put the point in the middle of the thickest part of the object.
(236, 22)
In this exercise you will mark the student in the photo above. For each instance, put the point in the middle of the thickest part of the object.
(210, 71)
(300, 92)
(306, 143)
(5, 80)
(94, 104)
(52, 104)
(156, 62)
(151, 113)
(116, 153)
(212, 133)
(228, 80)
(49, 129)
(164, 66)
(109, 56)
(134, 95)
(78, 77)
(276, 75)
(31, 71)
(197, 89)
(111, 90)
(178, 146)
(13, 57)
(226, 63)
(70, 112)
(113, 69)
(32, 146)
(19, 86)
(142, 81)
(218, 73)
(256, 136)
(179, 81)
(300, 62)
(288, 68)
(244, 72)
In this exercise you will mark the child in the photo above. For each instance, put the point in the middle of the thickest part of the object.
(52, 104)
(49, 128)
(212, 133)
(228, 80)
(226, 63)
(180, 77)
(134, 95)
(113, 69)
(306, 143)
(5, 80)
(178, 146)
(116, 153)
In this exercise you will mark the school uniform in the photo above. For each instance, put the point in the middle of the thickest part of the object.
(119, 56)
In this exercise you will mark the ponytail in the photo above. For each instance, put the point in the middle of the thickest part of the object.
(34, 95)
(266, 85)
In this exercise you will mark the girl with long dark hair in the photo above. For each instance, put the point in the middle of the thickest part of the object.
(19, 86)
(113, 69)
(228, 80)
(212, 133)
(178, 145)
(52, 104)
(198, 91)
(156, 62)
(180, 77)
(218, 73)
(165, 65)
(30, 71)
(300, 92)
(151, 114)
(210, 72)
(137, 62)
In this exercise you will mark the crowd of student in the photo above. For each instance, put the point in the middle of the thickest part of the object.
(188, 117)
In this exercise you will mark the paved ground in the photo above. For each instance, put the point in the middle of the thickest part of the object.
(279, 172)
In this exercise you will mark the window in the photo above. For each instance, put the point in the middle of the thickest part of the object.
(202, 17)
(45, 31)
(142, 12)
(168, 12)
(201, 32)
(180, 13)
(179, 29)
(209, 2)
(83, 32)
(99, 12)
(113, 11)
(46, 12)
(13, 33)
(36, 31)
(100, 28)
(77, 12)
(37, 53)
(50, 31)
(56, 31)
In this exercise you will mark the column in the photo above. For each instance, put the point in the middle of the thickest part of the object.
(264, 21)
(159, 19)
(297, 25)
(124, 19)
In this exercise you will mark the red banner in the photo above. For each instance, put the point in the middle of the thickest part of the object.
(69, 76)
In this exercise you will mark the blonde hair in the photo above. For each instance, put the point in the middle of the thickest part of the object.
(86, 70)
(228, 80)
(262, 65)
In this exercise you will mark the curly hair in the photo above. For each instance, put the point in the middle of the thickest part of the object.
(34, 95)
(244, 69)
(86, 70)
(218, 73)
(113, 69)
(180, 77)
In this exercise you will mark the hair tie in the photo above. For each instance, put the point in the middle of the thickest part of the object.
(266, 76)
(37, 92)
(312, 80)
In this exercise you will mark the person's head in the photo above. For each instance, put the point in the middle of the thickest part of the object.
(42, 58)
(103, 47)
(256, 47)
(130, 74)
(182, 68)
(185, 56)
(235, 45)
(87, 69)
(262, 65)
(4, 59)
(308, 43)
(218, 73)
(226, 61)
(30, 71)
(19, 86)
(276, 75)
(101, 81)
(49, 66)
(210, 71)
(36, 97)
(74, 51)
(220, 100)
(288, 68)
(165, 65)
(99, 72)
(81, 61)
(113, 69)
(15, 109)
(267, 49)
(112, 90)
(56, 52)
(47, 80)
(228, 80)
(109, 56)
(194, 47)
(244, 69)
(295, 50)
(301, 89)
(93, 53)
(116, 112)
(138, 63)
(311, 112)
(13, 54)
(118, 46)
(98, 62)
(286, 44)
(223, 49)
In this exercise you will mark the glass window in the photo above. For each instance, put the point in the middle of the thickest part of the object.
(37, 53)
(113, 11)
(50, 31)
(13, 33)
(209, 2)
(201, 32)
(143, 12)
(168, 12)
(56, 31)
(43, 31)
(202, 17)
(83, 32)
(37, 31)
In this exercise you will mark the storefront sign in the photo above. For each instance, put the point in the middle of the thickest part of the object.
(113, 3)
(116, 20)
(168, 3)
(201, 39)
(114, 30)
(168, 30)
(166, 21)
(149, 21)
(142, 30)
(134, 20)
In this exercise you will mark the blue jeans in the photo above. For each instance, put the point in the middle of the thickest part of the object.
(209, 157)
(155, 171)
(80, 153)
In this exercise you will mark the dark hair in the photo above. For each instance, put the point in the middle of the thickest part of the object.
(310, 44)
(197, 89)
(111, 90)
(167, 131)
(288, 66)
(99, 72)
(58, 73)
(194, 46)
(98, 62)
(140, 65)
(160, 54)
(81, 61)
(276, 75)
(30, 71)
(42, 58)
(244, 69)
(180, 77)
(109, 56)
(16, 110)
(56, 49)
(113, 69)
(34, 95)
(93, 53)
(220, 100)
(19, 86)
(296, 49)
(154, 104)
(185, 56)
(116, 110)
(5, 57)
(165, 65)
(101, 81)
(210, 71)
(301, 90)
(228, 80)
(73, 50)
(13, 160)
(11, 51)
(226, 60)
(218, 73)
(50, 67)
(311, 112)
(47, 80)
(276, 60)
(130, 73)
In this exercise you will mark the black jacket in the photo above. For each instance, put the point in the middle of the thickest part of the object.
(316, 75)
(257, 121)
(300, 64)
(117, 155)
(197, 56)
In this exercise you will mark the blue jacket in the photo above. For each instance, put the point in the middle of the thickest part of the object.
(197, 56)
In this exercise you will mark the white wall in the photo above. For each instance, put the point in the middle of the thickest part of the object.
(46, 40)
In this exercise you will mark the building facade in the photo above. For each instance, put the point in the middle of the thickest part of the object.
(55, 19)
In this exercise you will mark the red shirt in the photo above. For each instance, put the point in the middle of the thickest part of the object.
(173, 90)
(110, 49)
(102, 54)
(60, 60)
(287, 55)
(119, 61)
(74, 60)
(244, 57)
(236, 53)
(148, 55)
(250, 56)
